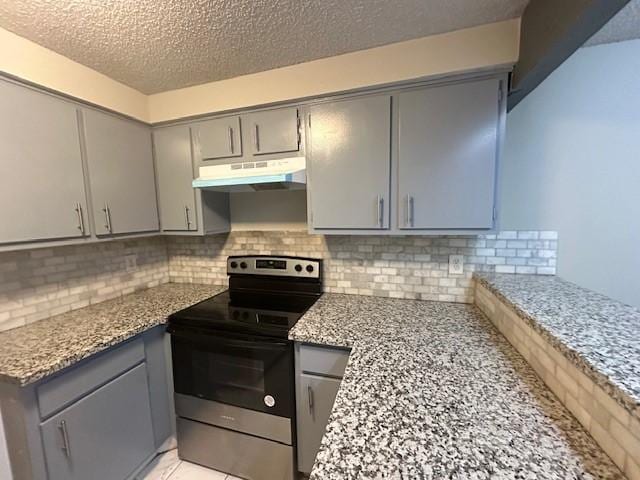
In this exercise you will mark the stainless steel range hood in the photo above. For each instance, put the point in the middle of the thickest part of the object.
(281, 174)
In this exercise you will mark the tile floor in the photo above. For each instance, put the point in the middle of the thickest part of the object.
(168, 466)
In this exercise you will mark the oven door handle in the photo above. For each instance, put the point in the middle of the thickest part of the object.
(266, 344)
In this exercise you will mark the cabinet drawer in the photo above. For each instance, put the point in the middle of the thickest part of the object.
(323, 360)
(64, 389)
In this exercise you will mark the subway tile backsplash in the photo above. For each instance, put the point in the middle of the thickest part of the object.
(404, 266)
(39, 283)
(36, 284)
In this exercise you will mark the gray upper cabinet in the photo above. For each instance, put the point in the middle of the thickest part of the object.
(218, 138)
(174, 171)
(274, 131)
(42, 194)
(447, 148)
(104, 436)
(349, 163)
(121, 174)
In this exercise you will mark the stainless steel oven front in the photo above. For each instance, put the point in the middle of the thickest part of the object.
(235, 402)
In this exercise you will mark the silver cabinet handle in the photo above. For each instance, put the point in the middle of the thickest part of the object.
(80, 218)
(66, 448)
(409, 221)
(231, 139)
(310, 397)
(256, 136)
(107, 217)
(186, 214)
(380, 207)
(299, 125)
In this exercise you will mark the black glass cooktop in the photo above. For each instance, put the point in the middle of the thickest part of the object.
(269, 314)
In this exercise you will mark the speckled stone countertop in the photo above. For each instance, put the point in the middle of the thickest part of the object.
(32, 352)
(433, 390)
(599, 335)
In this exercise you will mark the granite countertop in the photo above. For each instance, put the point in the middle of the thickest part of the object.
(432, 390)
(32, 352)
(599, 335)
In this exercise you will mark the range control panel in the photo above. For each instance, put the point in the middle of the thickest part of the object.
(281, 266)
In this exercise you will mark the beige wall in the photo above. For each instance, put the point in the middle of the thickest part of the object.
(29, 61)
(471, 49)
(465, 50)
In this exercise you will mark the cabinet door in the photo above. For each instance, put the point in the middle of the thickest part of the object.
(42, 193)
(104, 436)
(121, 174)
(447, 156)
(316, 402)
(174, 170)
(350, 163)
(274, 131)
(218, 138)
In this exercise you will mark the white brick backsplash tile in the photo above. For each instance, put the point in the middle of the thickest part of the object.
(516, 244)
(525, 269)
(507, 235)
(608, 443)
(39, 283)
(610, 424)
(632, 469)
(528, 235)
(505, 269)
(49, 281)
(409, 267)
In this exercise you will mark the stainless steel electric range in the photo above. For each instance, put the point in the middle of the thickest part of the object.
(233, 368)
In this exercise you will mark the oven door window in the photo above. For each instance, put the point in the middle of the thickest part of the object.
(249, 373)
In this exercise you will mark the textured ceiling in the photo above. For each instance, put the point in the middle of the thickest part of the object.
(157, 45)
(625, 25)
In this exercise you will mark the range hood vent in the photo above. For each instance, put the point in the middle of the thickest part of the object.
(281, 174)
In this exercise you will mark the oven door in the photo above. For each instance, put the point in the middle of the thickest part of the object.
(240, 370)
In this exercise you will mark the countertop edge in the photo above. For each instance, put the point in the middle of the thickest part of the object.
(73, 360)
(621, 396)
(167, 302)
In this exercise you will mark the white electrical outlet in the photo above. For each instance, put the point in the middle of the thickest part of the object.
(456, 264)
(130, 262)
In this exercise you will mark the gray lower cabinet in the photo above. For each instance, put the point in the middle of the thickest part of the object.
(319, 371)
(103, 436)
(218, 138)
(447, 149)
(318, 395)
(121, 174)
(102, 419)
(174, 171)
(274, 131)
(42, 194)
(350, 163)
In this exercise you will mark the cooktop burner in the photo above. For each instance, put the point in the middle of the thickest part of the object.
(266, 297)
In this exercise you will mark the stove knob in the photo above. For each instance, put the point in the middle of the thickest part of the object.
(243, 265)
(234, 264)
(298, 268)
(309, 268)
